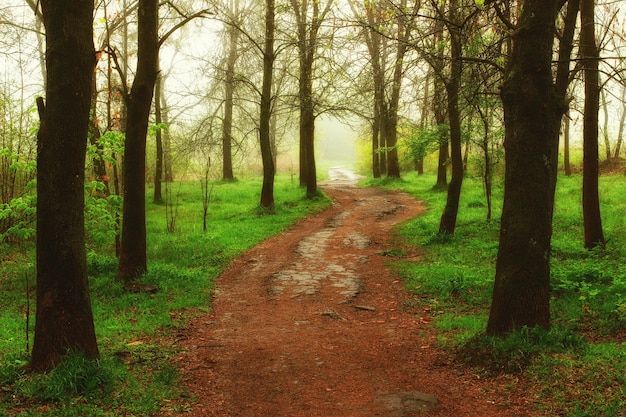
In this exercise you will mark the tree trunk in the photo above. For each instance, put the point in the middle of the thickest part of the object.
(591, 202)
(64, 319)
(99, 164)
(566, 45)
(447, 224)
(620, 129)
(533, 111)
(158, 168)
(567, 166)
(307, 48)
(439, 106)
(133, 259)
(229, 90)
(375, 146)
(605, 127)
(267, 191)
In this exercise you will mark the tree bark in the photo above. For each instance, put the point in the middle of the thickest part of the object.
(439, 106)
(567, 166)
(622, 123)
(158, 168)
(566, 45)
(375, 146)
(229, 91)
(307, 48)
(133, 259)
(64, 319)
(267, 190)
(592, 219)
(447, 224)
(532, 117)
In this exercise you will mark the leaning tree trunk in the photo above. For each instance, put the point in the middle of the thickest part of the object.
(594, 236)
(133, 259)
(64, 320)
(267, 191)
(533, 112)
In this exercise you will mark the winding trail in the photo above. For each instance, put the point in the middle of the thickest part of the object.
(312, 323)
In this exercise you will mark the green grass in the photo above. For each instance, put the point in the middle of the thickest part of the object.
(576, 369)
(134, 375)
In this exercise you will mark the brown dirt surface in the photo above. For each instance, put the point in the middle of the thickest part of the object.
(313, 323)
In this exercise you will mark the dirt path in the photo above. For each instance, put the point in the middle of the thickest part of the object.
(312, 323)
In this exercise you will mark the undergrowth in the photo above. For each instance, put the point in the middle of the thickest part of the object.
(577, 368)
(135, 375)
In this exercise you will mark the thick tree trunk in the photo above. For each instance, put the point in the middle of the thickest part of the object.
(64, 318)
(133, 259)
(267, 191)
(533, 111)
(594, 235)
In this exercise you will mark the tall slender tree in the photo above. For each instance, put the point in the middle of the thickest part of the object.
(133, 259)
(64, 321)
(269, 169)
(233, 33)
(310, 15)
(447, 223)
(590, 54)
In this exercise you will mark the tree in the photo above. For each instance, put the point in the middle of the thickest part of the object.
(383, 22)
(307, 42)
(447, 223)
(64, 321)
(133, 260)
(532, 116)
(229, 89)
(269, 170)
(590, 54)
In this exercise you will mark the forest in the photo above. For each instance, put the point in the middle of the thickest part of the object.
(146, 145)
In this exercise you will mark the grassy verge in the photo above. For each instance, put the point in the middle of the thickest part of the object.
(134, 375)
(579, 367)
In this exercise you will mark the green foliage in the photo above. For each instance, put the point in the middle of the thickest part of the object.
(135, 375)
(17, 217)
(153, 129)
(423, 141)
(17, 208)
(578, 367)
(108, 146)
(101, 215)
